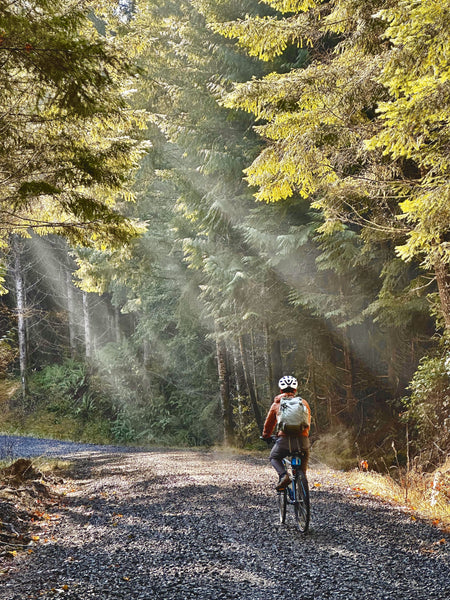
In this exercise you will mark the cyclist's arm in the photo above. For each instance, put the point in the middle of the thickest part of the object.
(271, 421)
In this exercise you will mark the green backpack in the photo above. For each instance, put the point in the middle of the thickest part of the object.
(293, 415)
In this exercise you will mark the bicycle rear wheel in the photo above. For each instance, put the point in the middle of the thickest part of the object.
(281, 501)
(302, 507)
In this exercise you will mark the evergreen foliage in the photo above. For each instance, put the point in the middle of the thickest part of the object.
(428, 409)
(68, 137)
(333, 114)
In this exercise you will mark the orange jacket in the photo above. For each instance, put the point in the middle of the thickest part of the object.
(271, 419)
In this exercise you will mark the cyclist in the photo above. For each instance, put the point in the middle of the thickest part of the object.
(285, 444)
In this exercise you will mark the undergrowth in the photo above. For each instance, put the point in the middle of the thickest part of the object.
(423, 495)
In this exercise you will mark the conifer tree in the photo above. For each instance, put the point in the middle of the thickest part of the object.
(68, 143)
(360, 131)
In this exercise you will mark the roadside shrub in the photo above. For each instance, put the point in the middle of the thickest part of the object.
(69, 395)
(428, 410)
(8, 354)
(159, 406)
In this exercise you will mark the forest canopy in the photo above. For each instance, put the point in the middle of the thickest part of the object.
(288, 163)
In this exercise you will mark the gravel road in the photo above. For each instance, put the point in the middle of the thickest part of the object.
(13, 446)
(181, 525)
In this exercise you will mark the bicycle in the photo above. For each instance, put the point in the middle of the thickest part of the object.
(297, 492)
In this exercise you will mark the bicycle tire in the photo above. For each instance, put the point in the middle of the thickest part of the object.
(302, 505)
(282, 502)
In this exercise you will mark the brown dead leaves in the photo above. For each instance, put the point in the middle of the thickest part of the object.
(27, 500)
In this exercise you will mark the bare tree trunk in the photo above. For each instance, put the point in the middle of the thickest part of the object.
(118, 333)
(268, 358)
(87, 326)
(21, 315)
(443, 282)
(225, 398)
(313, 379)
(348, 371)
(277, 363)
(71, 313)
(250, 386)
(146, 363)
(347, 356)
(239, 387)
(392, 368)
(253, 355)
(330, 412)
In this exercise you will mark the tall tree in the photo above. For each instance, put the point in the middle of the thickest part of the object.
(362, 129)
(67, 143)
(415, 128)
(19, 285)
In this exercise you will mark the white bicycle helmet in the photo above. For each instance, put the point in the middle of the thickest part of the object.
(288, 382)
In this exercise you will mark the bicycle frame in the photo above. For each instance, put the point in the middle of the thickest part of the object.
(292, 467)
(296, 494)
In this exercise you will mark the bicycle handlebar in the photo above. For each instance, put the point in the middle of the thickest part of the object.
(270, 441)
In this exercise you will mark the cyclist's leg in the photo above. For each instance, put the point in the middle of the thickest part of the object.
(278, 452)
(302, 444)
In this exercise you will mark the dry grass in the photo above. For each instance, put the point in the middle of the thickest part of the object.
(7, 389)
(424, 495)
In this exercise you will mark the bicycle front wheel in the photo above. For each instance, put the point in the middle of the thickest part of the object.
(281, 500)
(301, 506)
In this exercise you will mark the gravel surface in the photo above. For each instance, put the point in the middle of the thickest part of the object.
(12, 446)
(179, 525)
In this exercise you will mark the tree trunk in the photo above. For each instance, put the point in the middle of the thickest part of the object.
(443, 283)
(277, 364)
(146, 364)
(117, 331)
(250, 386)
(239, 387)
(71, 314)
(348, 371)
(87, 326)
(225, 398)
(253, 365)
(313, 384)
(21, 315)
(268, 358)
